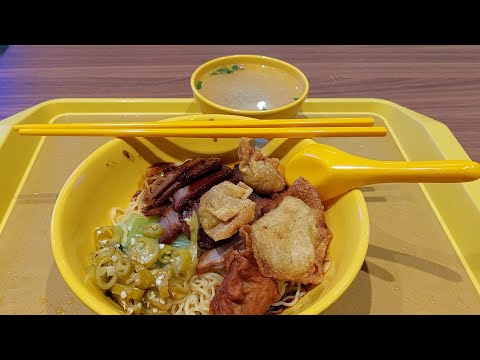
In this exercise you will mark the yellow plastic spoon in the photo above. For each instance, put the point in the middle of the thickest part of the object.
(334, 172)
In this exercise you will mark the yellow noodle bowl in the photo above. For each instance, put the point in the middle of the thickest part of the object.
(98, 195)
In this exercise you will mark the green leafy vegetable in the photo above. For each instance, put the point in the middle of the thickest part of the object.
(181, 242)
(135, 223)
(136, 229)
(129, 221)
(225, 70)
(193, 245)
(199, 84)
(295, 98)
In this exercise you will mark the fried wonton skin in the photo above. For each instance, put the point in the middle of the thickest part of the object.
(225, 208)
(290, 242)
(258, 171)
(244, 290)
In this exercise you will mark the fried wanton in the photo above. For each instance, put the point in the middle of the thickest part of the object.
(290, 242)
(258, 171)
(225, 208)
(244, 290)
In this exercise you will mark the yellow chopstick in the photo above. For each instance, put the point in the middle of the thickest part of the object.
(165, 124)
(289, 132)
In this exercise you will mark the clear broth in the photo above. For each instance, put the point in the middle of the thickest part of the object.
(250, 87)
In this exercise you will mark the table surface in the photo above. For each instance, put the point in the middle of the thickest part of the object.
(442, 82)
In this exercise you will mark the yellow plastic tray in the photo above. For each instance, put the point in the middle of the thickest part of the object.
(423, 253)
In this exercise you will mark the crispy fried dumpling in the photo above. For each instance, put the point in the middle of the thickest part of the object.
(225, 208)
(290, 242)
(244, 290)
(258, 171)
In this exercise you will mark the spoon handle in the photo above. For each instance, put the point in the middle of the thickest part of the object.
(334, 172)
(441, 171)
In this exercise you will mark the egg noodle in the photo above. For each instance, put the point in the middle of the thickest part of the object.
(197, 302)
(140, 288)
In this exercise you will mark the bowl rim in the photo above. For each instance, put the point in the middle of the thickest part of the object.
(342, 285)
(78, 287)
(256, 59)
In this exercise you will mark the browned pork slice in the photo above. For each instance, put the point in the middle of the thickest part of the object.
(192, 172)
(161, 191)
(172, 225)
(158, 178)
(196, 189)
(159, 168)
(244, 290)
(155, 211)
(214, 259)
(263, 205)
(236, 174)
